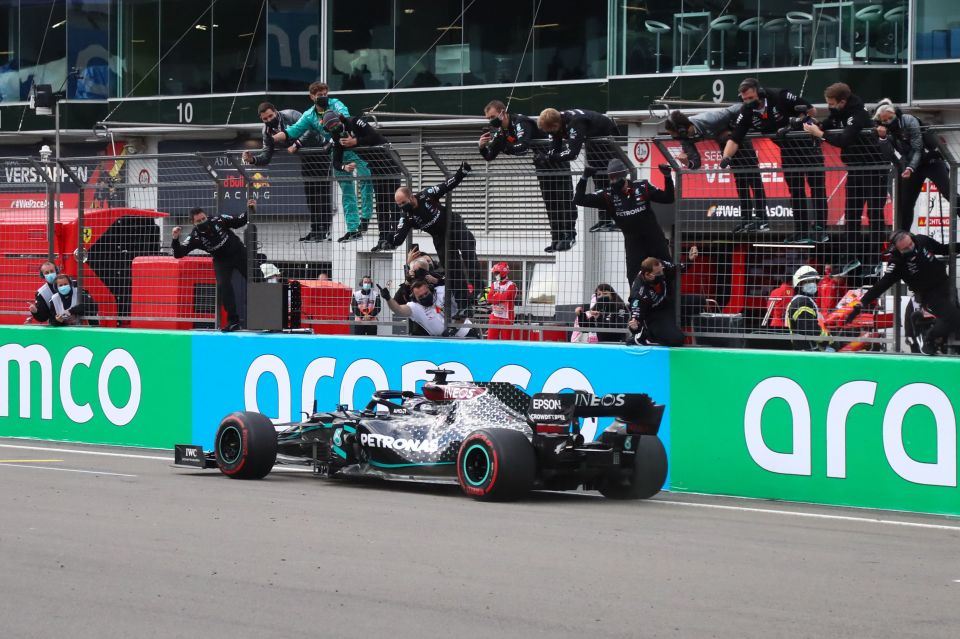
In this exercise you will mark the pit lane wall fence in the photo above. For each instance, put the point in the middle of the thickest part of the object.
(857, 430)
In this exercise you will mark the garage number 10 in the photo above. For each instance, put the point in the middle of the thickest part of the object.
(185, 112)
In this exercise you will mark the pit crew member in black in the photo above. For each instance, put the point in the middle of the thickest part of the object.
(920, 157)
(213, 235)
(628, 203)
(314, 166)
(715, 125)
(356, 132)
(845, 128)
(609, 312)
(511, 134)
(913, 260)
(454, 243)
(574, 127)
(774, 111)
(652, 312)
(40, 307)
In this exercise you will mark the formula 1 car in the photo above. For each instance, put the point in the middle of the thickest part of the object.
(493, 439)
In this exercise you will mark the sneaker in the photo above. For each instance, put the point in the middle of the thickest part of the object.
(762, 226)
(315, 236)
(799, 238)
(564, 245)
(364, 225)
(350, 236)
(229, 328)
(850, 266)
(820, 235)
(551, 248)
(928, 347)
(603, 226)
(746, 227)
(610, 227)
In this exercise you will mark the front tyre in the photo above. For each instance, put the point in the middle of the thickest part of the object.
(649, 472)
(246, 446)
(496, 464)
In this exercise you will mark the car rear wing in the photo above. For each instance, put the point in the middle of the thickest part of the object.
(563, 408)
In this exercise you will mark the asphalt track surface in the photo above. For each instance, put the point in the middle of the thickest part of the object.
(98, 545)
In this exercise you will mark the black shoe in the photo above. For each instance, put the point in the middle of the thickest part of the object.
(364, 225)
(746, 227)
(929, 347)
(820, 235)
(350, 236)
(229, 328)
(564, 245)
(315, 236)
(551, 248)
(800, 238)
(609, 227)
(762, 226)
(599, 226)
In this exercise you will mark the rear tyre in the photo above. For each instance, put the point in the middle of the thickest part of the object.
(496, 464)
(246, 446)
(649, 472)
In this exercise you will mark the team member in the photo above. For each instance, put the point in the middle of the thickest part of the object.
(715, 125)
(608, 312)
(40, 307)
(455, 244)
(511, 134)
(426, 309)
(802, 317)
(628, 203)
(213, 235)
(652, 311)
(502, 297)
(772, 111)
(66, 305)
(365, 306)
(573, 127)
(913, 260)
(844, 128)
(920, 157)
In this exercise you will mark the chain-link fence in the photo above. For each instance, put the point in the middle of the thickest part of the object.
(315, 235)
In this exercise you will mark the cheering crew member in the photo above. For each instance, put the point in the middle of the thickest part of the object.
(844, 128)
(920, 157)
(913, 260)
(502, 297)
(772, 111)
(511, 134)
(652, 299)
(573, 127)
(40, 307)
(628, 204)
(365, 306)
(426, 309)
(213, 235)
(715, 125)
(451, 237)
(314, 167)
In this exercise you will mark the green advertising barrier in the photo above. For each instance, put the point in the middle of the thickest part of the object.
(95, 386)
(855, 430)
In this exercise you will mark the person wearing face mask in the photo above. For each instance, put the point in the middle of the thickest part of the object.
(775, 111)
(913, 259)
(213, 235)
(802, 317)
(502, 297)
(652, 305)
(454, 243)
(715, 125)
(66, 305)
(846, 129)
(609, 314)
(568, 130)
(426, 309)
(365, 306)
(314, 166)
(511, 134)
(40, 307)
(628, 204)
(920, 158)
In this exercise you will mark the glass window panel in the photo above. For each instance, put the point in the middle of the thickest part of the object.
(88, 51)
(938, 30)
(293, 44)
(422, 24)
(9, 60)
(570, 41)
(186, 47)
(43, 45)
(362, 42)
(496, 33)
(137, 47)
(239, 43)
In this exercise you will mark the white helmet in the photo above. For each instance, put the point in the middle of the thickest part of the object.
(805, 273)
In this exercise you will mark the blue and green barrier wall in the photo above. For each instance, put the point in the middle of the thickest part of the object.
(859, 430)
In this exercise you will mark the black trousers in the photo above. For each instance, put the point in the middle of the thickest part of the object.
(598, 155)
(864, 189)
(660, 326)
(812, 210)
(315, 170)
(224, 266)
(938, 301)
(556, 188)
(367, 328)
(934, 170)
(457, 249)
(749, 184)
(636, 249)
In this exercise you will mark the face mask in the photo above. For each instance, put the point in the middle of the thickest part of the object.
(495, 122)
(65, 289)
(50, 277)
(406, 207)
(497, 278)
(336, 129)
(321, 101)
(909, 254)
(420, 273)
(426, 301)
(808, 288)
(619, 184)
(834, 111)
(275, 122)
(365, 287)
(659, 278)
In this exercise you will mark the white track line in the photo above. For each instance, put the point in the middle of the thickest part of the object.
(88, 452)
(792, 513)
(68, 470)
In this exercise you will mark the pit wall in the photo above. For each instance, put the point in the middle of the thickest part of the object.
(854, 430)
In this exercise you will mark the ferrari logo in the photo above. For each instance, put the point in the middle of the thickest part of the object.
(87, 234)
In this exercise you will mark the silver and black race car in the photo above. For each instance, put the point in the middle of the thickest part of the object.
(493, 439)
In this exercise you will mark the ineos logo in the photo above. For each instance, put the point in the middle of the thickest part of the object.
(462, 392)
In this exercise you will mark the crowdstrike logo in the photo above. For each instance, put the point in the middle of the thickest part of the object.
(371, 440)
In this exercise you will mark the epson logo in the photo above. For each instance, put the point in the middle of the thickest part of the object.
(547, 404)
(372, 440)
(608, 400)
